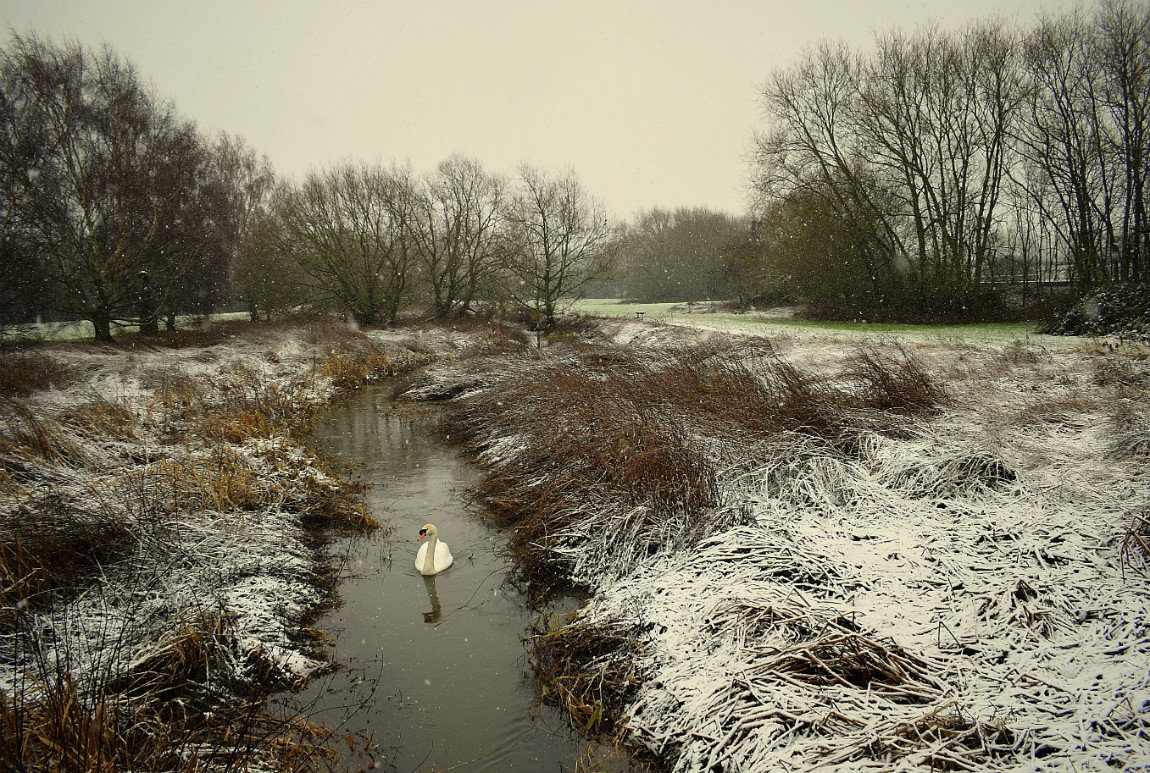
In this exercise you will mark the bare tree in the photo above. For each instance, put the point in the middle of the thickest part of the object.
(250, 181)
(270, 280)
(115, 171)
(910, 148)
(456, 224)
(812, 147)
(1122, 50)
(1061, 138)
(558, 241)
(347, 231)
(679, 255)
(937, 113)
(1088, 135)
(22, 147)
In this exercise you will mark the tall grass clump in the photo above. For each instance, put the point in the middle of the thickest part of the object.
(25, 372)
(27, 438)
(589, 671)
(601, 456)
(163, 714)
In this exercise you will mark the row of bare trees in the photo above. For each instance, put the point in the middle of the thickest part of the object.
(940, 161)
(366, 238)
(116, 210)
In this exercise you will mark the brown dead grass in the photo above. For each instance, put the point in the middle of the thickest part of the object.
(25, 372)
(50, 549)
(630, 428)
(71, 728)
(587, 671)
(246, 406)
(1067, 409)
(222, 482)
(102, 418)
(28, 436)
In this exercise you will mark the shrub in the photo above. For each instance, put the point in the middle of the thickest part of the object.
(1122, 311)
(22, 373)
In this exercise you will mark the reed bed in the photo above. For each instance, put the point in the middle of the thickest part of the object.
(850, 568)
(602, 456)
(162, 531)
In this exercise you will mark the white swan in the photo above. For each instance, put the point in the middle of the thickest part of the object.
(434, 556)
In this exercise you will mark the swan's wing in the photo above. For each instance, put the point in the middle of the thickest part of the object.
(443, 557)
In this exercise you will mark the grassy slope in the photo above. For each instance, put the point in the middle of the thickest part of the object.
(857, 586)
(763, 324)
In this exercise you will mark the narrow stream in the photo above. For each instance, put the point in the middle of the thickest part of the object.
(437, 663)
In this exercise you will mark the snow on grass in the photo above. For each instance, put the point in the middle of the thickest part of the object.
(157, 515)
(931, 592)
(780, 323)
(1036, 647)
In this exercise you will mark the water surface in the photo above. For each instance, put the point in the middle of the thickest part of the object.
(438, 661)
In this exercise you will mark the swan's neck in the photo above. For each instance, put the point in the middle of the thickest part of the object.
(429, 559)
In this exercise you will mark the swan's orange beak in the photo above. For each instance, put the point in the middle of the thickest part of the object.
(422, 534)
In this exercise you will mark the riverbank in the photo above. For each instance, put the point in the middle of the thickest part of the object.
(802, 551)
(162, 531)
(805, 552)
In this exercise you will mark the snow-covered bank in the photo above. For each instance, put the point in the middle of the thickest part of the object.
(161, 531)
(868, 589)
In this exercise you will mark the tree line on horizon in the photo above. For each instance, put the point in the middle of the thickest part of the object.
(927, 177)
(116, 210)
(921, 177)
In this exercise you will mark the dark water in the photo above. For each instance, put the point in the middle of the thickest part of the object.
(437, 662)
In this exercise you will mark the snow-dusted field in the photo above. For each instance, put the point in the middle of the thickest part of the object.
(951, 590)
(958, 593)
(159, 516)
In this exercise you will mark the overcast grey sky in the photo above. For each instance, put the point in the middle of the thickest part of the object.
(651, 102)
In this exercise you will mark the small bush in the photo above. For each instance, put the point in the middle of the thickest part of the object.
(22, 373)
(1122, 311)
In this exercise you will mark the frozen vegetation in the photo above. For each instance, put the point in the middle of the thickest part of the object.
(806, 553)
(802, 552)
(161, 540)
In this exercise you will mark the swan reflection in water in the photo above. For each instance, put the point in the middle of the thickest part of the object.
(435, 613)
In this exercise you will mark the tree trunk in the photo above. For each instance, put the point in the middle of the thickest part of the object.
(102, 324)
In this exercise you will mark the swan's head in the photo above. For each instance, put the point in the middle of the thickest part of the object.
(428, 530)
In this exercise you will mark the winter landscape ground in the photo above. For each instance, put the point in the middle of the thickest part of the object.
(802, 551)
